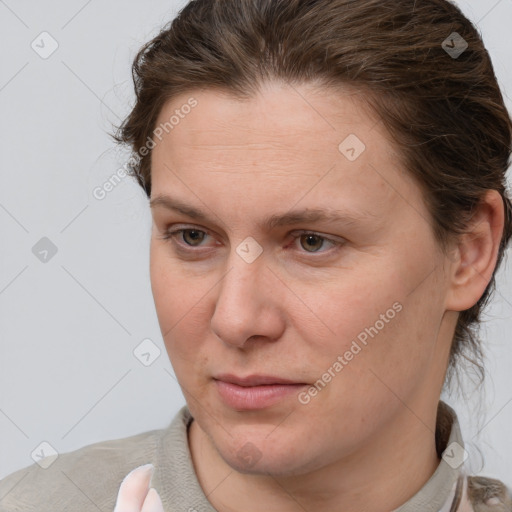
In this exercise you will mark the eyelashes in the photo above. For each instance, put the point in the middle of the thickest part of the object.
(176, 238)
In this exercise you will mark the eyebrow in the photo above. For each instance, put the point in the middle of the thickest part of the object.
(307, 215)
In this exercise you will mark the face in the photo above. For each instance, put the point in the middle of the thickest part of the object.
(348, 308)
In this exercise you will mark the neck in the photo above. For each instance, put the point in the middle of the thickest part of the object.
(370, 479)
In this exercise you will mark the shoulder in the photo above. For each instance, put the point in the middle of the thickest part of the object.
(489, 495)
(86, 479)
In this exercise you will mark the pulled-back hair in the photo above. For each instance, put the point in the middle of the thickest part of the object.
(444, 113)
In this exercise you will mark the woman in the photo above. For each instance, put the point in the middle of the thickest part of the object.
(327, 185)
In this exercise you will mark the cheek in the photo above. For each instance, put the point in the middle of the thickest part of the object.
(375, 325)
(180, 301)
(348, 306)
(173, 291)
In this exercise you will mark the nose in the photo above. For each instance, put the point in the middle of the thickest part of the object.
(249, 303)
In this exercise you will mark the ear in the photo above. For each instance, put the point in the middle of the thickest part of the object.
(476, 253)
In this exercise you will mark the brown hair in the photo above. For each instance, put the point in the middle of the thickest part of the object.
(445, 113)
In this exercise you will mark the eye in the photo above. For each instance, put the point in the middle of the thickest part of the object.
(193, 235)
(314, 240)
(185, 239)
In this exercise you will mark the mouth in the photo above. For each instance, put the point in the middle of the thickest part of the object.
(255, 380)
(255, 391)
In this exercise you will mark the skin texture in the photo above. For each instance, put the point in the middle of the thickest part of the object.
(300, 304)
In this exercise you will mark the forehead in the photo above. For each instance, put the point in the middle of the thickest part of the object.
(297, 115)
(286, 144)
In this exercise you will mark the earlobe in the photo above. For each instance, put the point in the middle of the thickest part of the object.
(477, 252)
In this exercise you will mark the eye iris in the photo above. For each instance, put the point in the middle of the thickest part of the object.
(197, 236)
(194, 238)
(309, 237)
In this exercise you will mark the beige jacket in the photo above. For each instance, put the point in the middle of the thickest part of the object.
(88, 479)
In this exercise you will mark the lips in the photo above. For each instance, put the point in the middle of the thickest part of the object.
(255, 391)
(255, 380)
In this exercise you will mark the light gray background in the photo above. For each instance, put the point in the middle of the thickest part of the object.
(68, 327)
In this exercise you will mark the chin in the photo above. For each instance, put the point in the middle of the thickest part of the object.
(257, 455)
